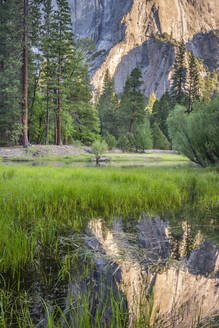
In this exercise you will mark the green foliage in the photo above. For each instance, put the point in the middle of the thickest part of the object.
(132, 105)
(47, 75)
(10, 66)
(193, 81)
(63, 38)
(209, 86)
(16, 133)
(151, 101)
(107, 106)
(37, 120)
(74, 90)
(68, 128)
(11, 59)
(139, 140)
(58, 81)
(110, 140)
(159, 139)
(64, 61)
(99, 148)
(131, 142)
(85, 122)
(178, 81)
(123, 143)
(143, 136)
(165, 38)
(160, 112)
(196, 135)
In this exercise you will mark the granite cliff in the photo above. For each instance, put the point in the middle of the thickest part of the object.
(127, 34)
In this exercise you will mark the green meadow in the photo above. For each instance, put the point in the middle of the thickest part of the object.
(42, 203)
(39, 206)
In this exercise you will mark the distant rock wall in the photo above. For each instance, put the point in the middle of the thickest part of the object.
(121, 30)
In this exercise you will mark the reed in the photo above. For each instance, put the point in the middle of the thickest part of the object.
(38, 205)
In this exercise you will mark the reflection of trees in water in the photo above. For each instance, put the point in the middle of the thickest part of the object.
(184, 240)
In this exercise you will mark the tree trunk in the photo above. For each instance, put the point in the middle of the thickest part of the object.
(66, 140)
(25, 77)
(39, 138)
(131, 126)
(55, 117)
(59, 132)
(190, 98)
(47, 114)
(55, 128)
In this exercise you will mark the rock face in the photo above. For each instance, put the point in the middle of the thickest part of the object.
(183, 290)
(122, 30)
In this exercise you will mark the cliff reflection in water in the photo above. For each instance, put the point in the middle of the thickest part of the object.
(173, 276)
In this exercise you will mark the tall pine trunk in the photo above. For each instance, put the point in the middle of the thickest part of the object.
(48, 13)
(131, 126)
(55, 117)
(190, 98)
(25, 77)
(47, 114)
(59, 132)
(55, 128)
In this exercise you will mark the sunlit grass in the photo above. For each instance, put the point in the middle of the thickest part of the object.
(170, 157)
(129, 158)
(39, 204)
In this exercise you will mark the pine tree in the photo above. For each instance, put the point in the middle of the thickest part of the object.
(108, 107)
(132, 106)
(54, 76)
(143, 136)
(209, 86)
(123, 143)
(159, 139)
(193, 81)
(110, 140)
(160, 112)
(48, 73)
(10, 66)
(63, 42)
(78, 99)
(35, 60)
(178, 81)
(215, 78)
(25, 73)
(17, 39)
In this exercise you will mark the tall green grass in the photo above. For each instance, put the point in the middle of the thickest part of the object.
(41, 205)
(37, 205)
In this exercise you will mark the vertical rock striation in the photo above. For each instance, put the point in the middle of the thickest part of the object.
(122, 30)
